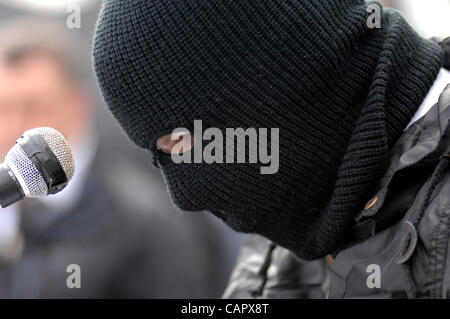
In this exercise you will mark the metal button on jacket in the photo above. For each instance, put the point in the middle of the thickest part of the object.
(371, 203)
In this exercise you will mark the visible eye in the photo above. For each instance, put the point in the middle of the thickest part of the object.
(175, 143)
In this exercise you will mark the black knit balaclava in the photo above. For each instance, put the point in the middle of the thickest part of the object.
(340, 90)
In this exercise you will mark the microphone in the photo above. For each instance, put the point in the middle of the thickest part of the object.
(41, 163)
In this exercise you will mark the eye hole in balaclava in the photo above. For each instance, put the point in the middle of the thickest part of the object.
(166, 145)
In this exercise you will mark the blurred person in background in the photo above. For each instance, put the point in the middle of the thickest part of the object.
(127, 244)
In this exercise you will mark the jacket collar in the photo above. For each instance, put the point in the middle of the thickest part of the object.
(422, 144)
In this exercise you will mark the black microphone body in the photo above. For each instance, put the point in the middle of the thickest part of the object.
(10, 189)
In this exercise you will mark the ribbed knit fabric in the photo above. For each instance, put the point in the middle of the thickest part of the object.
(340, 93)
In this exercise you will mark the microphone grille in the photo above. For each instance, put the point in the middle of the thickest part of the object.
(60, 147)
(30, 179)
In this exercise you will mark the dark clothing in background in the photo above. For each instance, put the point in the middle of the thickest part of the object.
(265, 270)
(127, 245)
(410, 218)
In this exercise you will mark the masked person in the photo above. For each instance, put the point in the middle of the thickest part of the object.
(360, 178)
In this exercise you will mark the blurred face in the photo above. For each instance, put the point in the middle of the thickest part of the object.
(35, 92)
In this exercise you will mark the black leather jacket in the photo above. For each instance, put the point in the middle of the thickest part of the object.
(399, 245)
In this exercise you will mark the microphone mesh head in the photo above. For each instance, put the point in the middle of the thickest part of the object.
(31, 181)
(59, 147)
